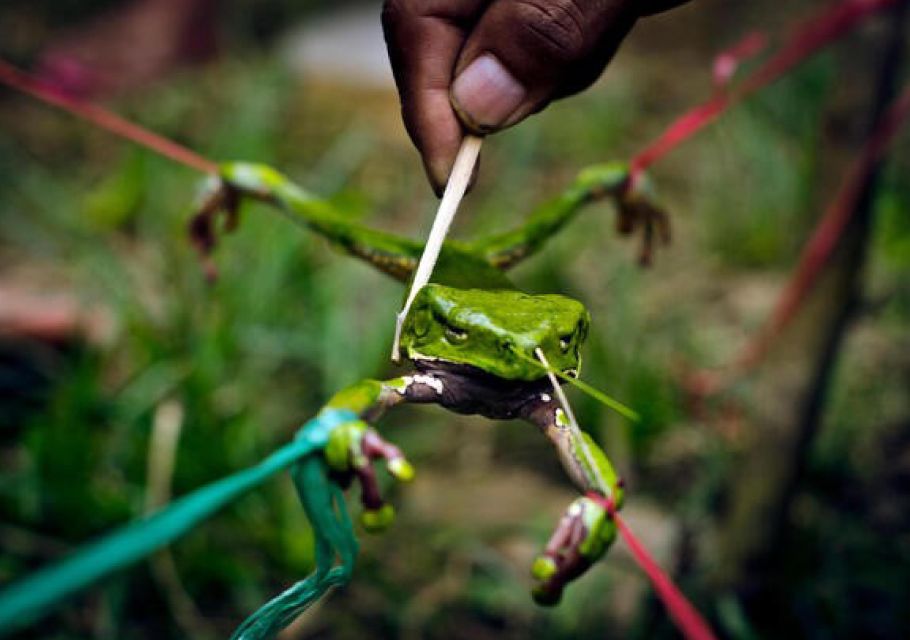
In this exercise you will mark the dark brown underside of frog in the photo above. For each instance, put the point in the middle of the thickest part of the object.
(469, 390)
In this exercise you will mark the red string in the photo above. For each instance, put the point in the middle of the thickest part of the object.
(105, 119)
(687, 619)
(828, 231)
(808, 38)
(727, 62)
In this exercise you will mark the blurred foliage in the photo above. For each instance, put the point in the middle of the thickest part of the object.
(772, 150)
(288, 322)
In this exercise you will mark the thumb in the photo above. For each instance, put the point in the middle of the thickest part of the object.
(524, 53)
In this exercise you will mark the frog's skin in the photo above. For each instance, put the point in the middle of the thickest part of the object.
(471, 337)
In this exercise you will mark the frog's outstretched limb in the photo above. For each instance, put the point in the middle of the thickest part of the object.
(635, 208)
(387, 252)
(398, 256)
(586, 530)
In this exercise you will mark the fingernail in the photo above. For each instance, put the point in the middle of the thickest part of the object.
(438, 172)
(485, 94)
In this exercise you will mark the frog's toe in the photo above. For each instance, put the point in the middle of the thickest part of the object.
(351, 451)
(544, 568)
(375, 447)
(376, 520)
(401, 469)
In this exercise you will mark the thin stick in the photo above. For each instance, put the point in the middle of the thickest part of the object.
(584, 387)
(455, 190)
(573, 423)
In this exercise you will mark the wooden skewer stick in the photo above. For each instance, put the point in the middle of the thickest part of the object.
(451, 198)
(573, 423)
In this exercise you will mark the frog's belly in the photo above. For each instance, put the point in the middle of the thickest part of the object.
(470, 391)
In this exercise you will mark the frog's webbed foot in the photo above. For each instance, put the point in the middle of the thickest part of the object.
(583, 535)
(350, 453)
(217, 211)
(637, 210)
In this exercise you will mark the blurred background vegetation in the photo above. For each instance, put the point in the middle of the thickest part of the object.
(93, 244)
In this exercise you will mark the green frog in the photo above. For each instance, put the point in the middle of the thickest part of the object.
(472, 339)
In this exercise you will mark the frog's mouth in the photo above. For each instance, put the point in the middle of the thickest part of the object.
(471, 390)
(433, 364)
(466, 388)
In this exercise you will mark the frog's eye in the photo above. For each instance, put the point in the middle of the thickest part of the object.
(565, 342)
(581, 330)
(455, 335)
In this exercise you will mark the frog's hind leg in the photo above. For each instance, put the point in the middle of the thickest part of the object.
(635, 207)
(391, 254)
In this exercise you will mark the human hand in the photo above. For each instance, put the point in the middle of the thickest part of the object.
(485, 65)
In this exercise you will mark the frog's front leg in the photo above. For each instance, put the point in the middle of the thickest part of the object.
(354, 447)
(350, 453)
(587, 529)
(582, 536)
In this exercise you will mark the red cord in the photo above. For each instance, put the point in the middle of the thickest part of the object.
(688, 620)
(808, 38)
(105, 119)
(686, 617)
(828, 231)
(726, 63)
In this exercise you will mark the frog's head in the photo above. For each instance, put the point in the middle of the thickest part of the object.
(496, 331)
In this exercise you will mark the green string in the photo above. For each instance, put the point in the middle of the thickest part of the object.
(27, 600)
(324, 506)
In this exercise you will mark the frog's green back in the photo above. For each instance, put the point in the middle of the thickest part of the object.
(460, 268)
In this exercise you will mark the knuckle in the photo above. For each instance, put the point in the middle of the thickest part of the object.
(558, 28)
(395, 12)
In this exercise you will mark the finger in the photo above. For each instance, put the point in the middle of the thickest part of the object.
(524, 53)
(424, 38)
